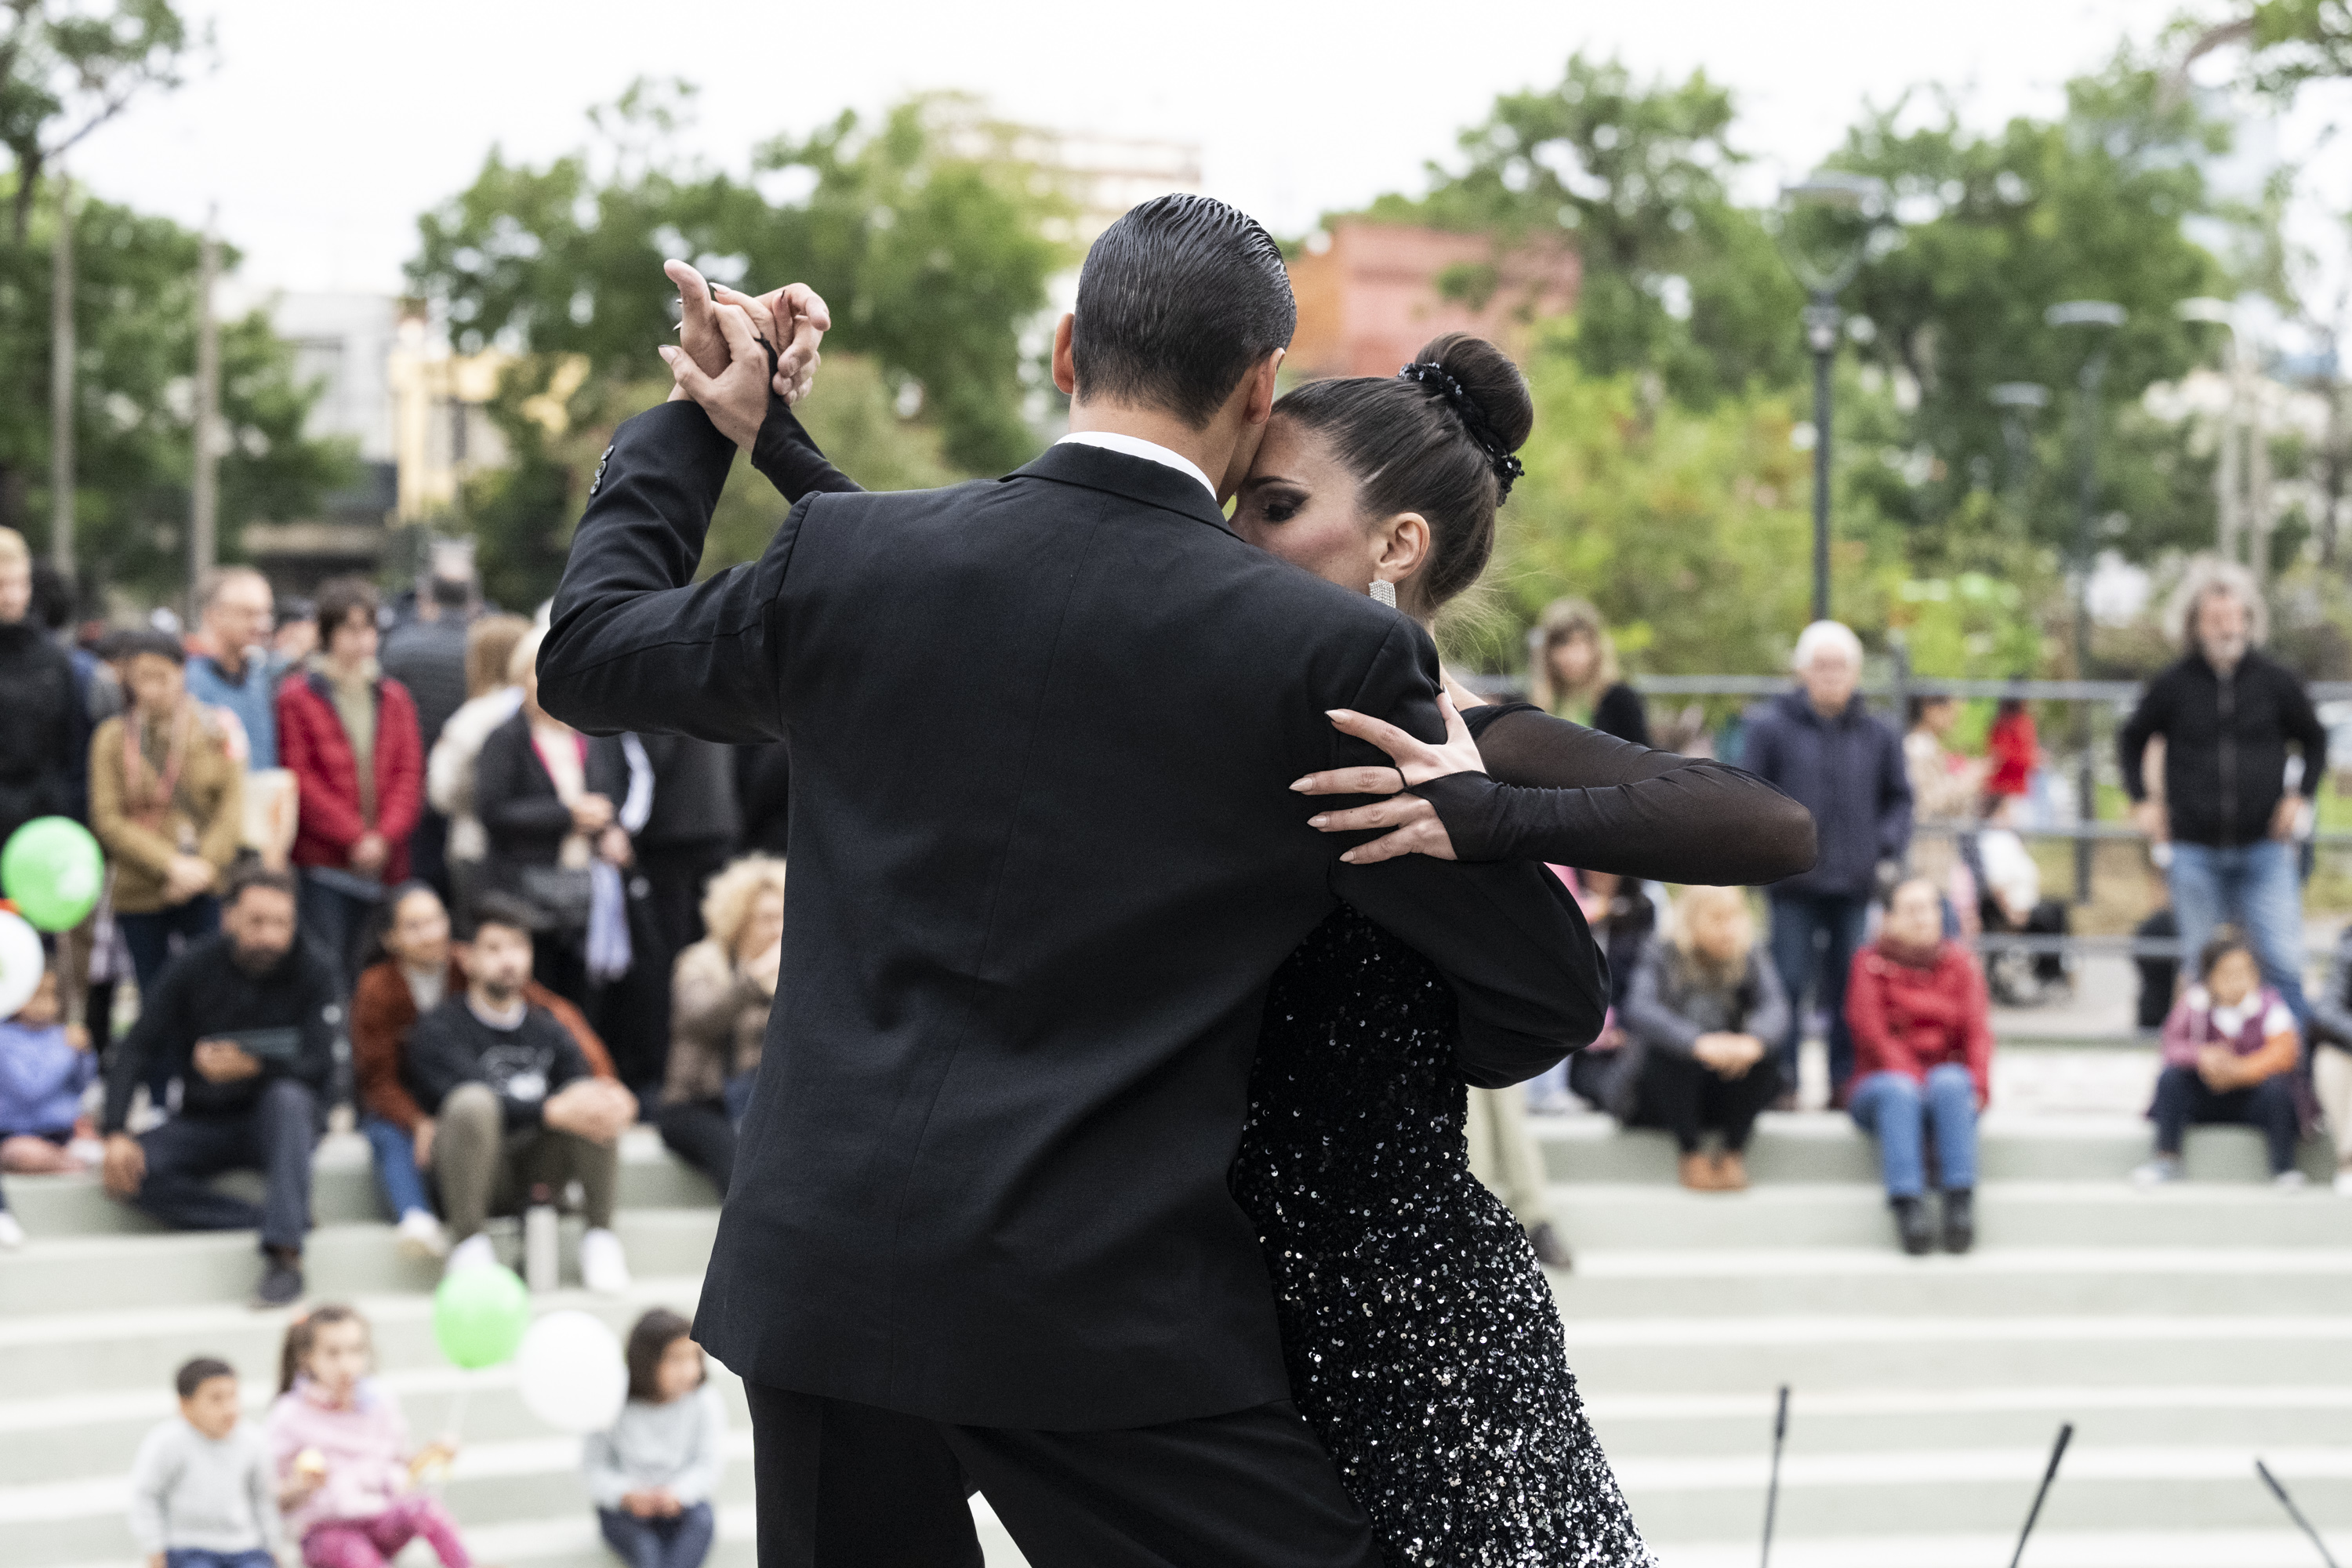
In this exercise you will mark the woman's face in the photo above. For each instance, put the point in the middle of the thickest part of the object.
(1719, 930)
(354, 637)
(1915, 919)
(155, 682)
(1573, 658)
(764, 926)
(2233, 978)
(419, 937)
(1938, 718)
(1299, 502)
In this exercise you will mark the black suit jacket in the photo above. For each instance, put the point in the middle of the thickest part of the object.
(1044, 860)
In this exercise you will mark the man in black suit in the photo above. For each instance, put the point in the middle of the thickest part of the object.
(1044, 864)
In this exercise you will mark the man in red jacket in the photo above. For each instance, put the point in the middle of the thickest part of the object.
(350, 735)
(1922, 1057)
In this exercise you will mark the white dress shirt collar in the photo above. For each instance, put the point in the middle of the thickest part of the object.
(1150, 451)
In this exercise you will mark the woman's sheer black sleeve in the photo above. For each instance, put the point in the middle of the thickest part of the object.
(1558, 792)
(787, 455)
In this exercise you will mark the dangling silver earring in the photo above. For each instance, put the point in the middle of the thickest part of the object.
(1384, 591)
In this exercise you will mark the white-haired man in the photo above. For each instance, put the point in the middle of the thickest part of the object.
(1822, 748)
(2227, 715)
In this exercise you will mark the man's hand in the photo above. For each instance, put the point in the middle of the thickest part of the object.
(2149, 817)
(737, 398)
(792, 321)
(1727, 1055)
(595, 1109)
(369, 854)
(592, 813)
(223, 1061)
(187, 875)
(422, 1141)
(1412, 821)
(613, 845)
(125, 1164)
(2286, 820)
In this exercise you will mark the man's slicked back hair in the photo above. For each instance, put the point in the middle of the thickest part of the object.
(1178, 299)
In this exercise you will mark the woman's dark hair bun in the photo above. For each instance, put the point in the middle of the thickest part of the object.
(1489, 379)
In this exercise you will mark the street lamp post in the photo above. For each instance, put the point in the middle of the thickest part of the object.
(2015, 399)
(2102, 317)
(2228, 485)
(1865, 198)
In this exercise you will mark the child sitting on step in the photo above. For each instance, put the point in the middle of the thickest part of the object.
(653, 1475)
(44, 1068)
(2232, 1056)
(347, 1476)
(201, 1495)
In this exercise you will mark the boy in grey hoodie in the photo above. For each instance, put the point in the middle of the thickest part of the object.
(202, 1493)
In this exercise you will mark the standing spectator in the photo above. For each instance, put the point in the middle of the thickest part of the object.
(694, 824)
(1821, 747)
(246, 1021)
(2331, 1059)
(2227, 715)
(492, 696)
(1701, 1019)
(652, 1477)
(724, 988)
(203, 1494)
(547, 797)
(427, 657)
(419, 971)
(349, 734)
(1923, 1058)
(2231, 1057)
(1575, 674)
(44, 729)
(234, 668)
(167, 802)
(517, 1107)
(2014, 751)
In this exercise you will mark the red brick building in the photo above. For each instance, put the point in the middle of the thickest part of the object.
(1370, 299)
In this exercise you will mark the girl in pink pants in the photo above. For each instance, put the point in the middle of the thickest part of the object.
(346, 1474)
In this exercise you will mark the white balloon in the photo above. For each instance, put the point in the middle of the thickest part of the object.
(20, 962)
(570, 1374)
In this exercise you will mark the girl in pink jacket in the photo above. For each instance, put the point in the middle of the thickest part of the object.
(346, 1475)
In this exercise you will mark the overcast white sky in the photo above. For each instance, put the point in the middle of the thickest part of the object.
(329, 124)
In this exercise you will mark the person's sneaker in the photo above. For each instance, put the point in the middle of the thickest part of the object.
(1550, 1251)
(1730, 1171)
(2157, 1172)
(1911, 1226)
(1959, 1219)
(2290, 1181)
(604, 1267)
(11, 1234)
(420, 1236)
(474, 1252)
(281, 1282)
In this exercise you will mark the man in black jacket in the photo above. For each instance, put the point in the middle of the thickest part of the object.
(1043, 865)
(44, 728)
(245, 1019)
(2227, 715)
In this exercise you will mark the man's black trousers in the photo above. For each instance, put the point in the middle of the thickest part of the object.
(850, 1486)
(275, 1137)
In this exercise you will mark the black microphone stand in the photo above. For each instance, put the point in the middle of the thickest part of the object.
(2065, 1434)
(1772, 1491)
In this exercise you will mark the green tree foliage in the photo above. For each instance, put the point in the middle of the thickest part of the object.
(135, 318)
(929, 240)
(2292, 42)
(67, 67)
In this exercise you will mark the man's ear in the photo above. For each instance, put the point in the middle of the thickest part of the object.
(1065, 364)
(1261, 401)
(463, 952)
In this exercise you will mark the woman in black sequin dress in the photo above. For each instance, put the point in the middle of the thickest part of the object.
(1423, 1341)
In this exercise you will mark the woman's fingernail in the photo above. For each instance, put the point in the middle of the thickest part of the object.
(1301, 786)
(1348, 856)
(1317, 821)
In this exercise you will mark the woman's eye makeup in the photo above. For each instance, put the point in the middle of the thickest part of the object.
(1279, 505)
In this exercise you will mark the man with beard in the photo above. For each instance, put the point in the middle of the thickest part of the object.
(245, 1022)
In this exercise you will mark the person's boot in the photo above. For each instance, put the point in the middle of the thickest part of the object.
(1550, 1250)
(281, 1278)
(1911, 1226)
(1959, 1219)
(1696, 1172)
(1730, 1171)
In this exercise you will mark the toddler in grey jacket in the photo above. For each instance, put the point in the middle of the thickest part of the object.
(201, 1491)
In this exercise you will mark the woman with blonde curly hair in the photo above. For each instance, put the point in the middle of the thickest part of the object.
(720, 992)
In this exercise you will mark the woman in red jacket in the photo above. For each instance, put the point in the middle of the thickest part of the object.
(350, 735)
(1922, 1057)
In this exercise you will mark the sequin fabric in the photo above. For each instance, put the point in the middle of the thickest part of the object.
(1422, 1342)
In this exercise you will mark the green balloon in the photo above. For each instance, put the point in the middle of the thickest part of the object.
(52, 868)
(480, 1315)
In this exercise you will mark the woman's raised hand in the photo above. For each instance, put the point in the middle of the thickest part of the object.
(737, 398)
(1412, 823)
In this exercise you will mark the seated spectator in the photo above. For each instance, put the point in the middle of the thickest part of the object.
(246, 1021)
(547, 797)
(2231, 1057)
(350, 735)
(418, 971)
(201, 1491)
(491, 699)
(44, 1068)
(2331, 1059)
(1699, 1019)
(721, 995)
(1923, 1061)
(515, 1105)
(652, 1477)
(2010, 903)
(167, 802)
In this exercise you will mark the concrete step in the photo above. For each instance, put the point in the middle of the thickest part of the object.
(343, 1190)
(1826, 1146)
(108, 1271)
(1647, 1217)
